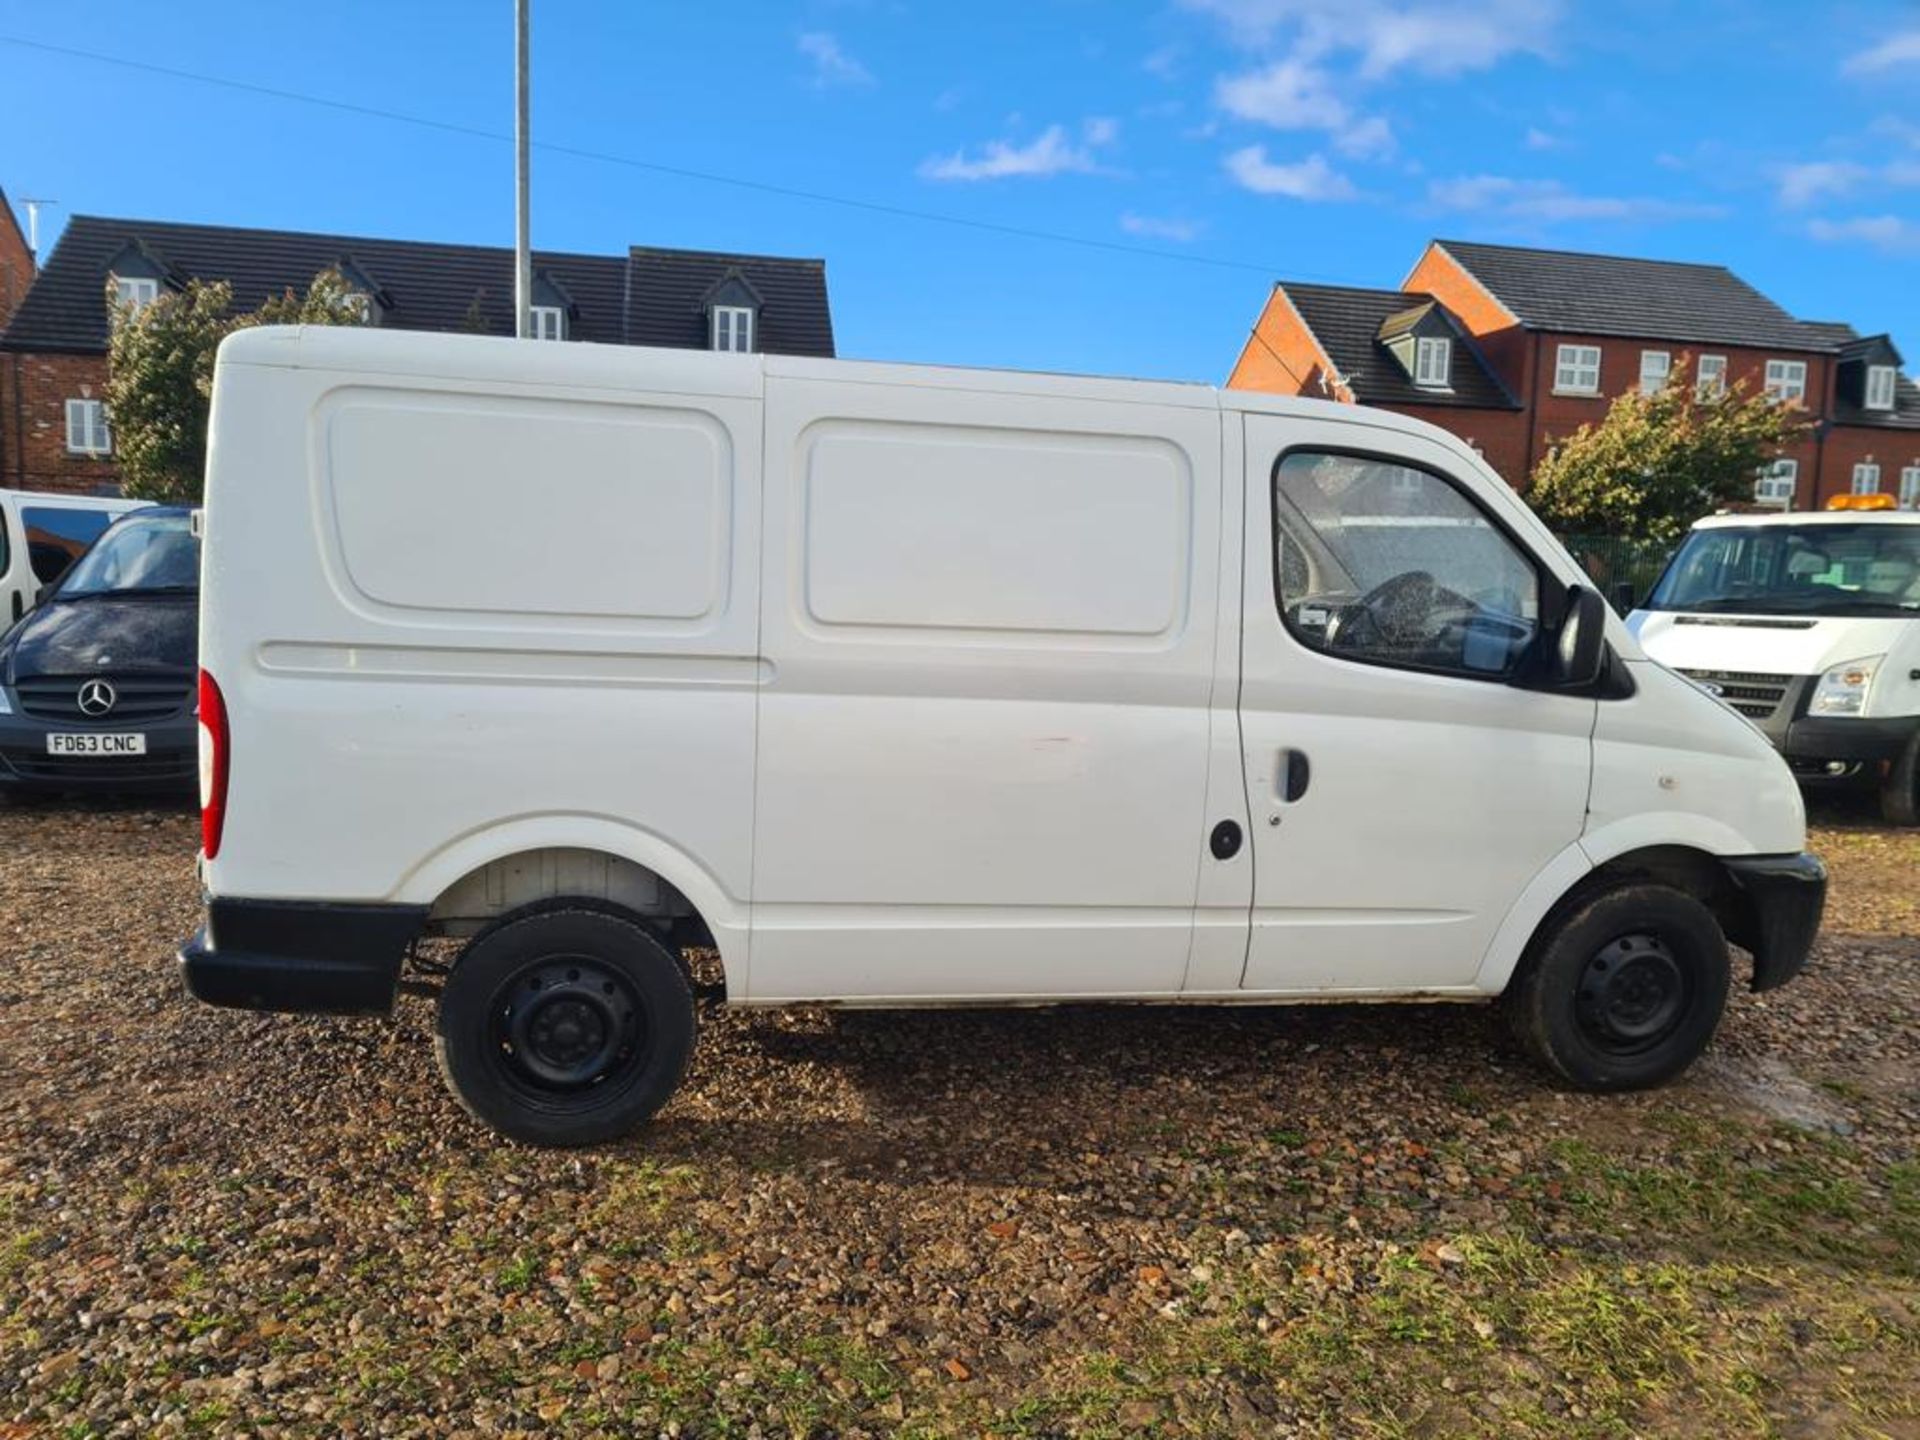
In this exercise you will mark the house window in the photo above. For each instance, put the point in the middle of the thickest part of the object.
(1577, 371)
(87, 432)
(549, 322)
(1777, 482)
(1655, 365)
(1910, 488)
(1710, 380)
(138, 291)
(733, 328)
(1866, 478)
(1787, 380)
(1432, 362)
(1880, 387)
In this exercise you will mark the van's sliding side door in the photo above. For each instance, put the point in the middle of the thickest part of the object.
(990, 630)
(1402, 792)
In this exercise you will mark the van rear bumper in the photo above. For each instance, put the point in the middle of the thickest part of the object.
(1786, 896)
(300, 955)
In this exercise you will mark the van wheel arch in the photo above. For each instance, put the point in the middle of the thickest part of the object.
(536, 882)
(1694, 873)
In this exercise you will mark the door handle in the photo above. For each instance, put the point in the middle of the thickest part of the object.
(1295, 774)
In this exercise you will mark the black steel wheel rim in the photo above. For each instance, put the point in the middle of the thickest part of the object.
(568, 1029)
(1633, 995)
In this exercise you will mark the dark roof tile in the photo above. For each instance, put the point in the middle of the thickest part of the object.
(1347, 322)
(1649, 299)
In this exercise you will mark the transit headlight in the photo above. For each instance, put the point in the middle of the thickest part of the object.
(1843, 689)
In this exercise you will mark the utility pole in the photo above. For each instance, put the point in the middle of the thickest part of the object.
(522, 227)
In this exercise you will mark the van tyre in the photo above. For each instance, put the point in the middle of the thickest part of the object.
(1900, 791)
(565, 1026)
(1624, 991)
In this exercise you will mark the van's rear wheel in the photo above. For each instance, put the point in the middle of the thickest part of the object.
(1900, 790)
(565, 1027)
(1626, 990)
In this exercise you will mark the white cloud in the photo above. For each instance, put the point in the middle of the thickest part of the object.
(1434, 37)
(1538, 139)
(1162, 227)
(1814, 180)
(1292, 94)
(1551, 201)
(1883, 232)
(1308, 179)
(1901, 49)
(1163, 63)
(1051, 152)
(832, 65)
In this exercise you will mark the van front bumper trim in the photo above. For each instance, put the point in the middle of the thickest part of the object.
(1786, 896)
(297, 955)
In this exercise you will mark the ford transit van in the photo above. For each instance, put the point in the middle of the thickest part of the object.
(1809, 625)
(904, 686)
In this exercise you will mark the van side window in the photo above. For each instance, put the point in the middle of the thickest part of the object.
(1387, 564)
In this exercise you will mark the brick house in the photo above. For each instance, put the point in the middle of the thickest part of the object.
(1564, 333)
(54, 432)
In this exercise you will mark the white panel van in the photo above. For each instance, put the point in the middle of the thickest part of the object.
(1809, 625)
(904, 686)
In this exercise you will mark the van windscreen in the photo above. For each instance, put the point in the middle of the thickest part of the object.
(1813, 570)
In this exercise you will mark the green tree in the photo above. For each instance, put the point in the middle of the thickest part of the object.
(160, 373)
(1659, 462)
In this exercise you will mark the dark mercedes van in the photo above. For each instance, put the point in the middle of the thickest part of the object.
(97, 681)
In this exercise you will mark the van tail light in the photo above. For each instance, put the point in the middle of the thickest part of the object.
(214, 757)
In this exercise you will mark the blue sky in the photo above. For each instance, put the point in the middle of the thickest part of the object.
(1204, 147)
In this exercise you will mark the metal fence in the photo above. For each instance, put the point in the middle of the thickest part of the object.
(1623, 570)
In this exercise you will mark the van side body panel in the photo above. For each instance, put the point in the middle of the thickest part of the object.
(487, 611)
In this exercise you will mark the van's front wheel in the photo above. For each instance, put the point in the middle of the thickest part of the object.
(565, 1027)
(1626, 990)
(1900, 789)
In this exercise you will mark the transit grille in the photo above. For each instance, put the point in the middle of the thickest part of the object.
(137, 699)
(1754, 695)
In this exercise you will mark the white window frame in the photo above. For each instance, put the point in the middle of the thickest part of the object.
(1910, 487)
(1786, 380)
(1576, 370)
(1767, 489)
(1866, 478)
(87, 430)
(549, 322)
(734, 325)
(1665, 359)
(139, 291)
(1880, 382)
(1433, 362)
(1710, 377)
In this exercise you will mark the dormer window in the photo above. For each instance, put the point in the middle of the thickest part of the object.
(135, 291)
(549, 322)
(1880, 387)
(733, 328)
(1433, 362)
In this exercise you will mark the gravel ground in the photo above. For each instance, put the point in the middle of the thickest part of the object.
(1317, 1221)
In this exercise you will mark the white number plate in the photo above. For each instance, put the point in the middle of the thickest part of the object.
(59, 744)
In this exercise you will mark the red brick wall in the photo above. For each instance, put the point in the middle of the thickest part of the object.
(1501, 435)
(1848, 445)
(1500, 337)
(16, 264)
(1281, 356)
(34, 395)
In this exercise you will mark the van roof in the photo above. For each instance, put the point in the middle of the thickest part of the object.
(1811, 517)
(702, 372)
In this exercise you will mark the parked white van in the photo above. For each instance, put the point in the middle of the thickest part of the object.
(903, 686)
(41, 535)
(1809, 625)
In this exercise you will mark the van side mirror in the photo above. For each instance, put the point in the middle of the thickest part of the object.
(1622, 597)
(1579, 645)
(42, 593)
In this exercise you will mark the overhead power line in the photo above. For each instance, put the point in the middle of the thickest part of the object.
(654, 167)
